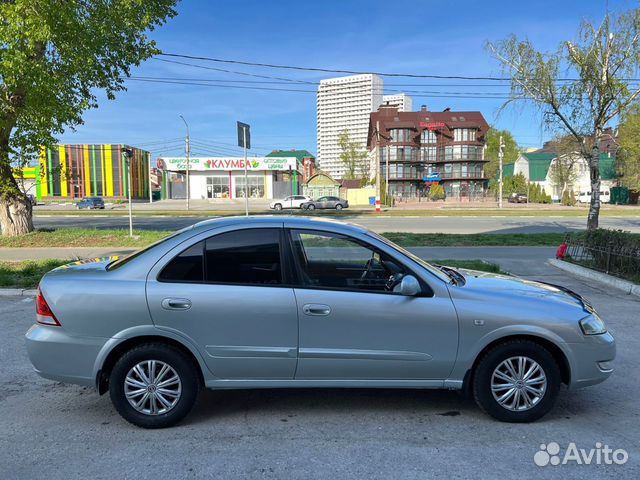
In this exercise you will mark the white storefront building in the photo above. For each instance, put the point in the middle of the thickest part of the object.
(224, 177)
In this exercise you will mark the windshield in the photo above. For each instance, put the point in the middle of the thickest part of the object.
(120, 261)
(435, 271)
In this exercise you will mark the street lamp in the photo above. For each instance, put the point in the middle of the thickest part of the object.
(188, 149)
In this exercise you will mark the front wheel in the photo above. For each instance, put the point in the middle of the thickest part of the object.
(311, 207)
(517, 381)
(154, 385)
(277, 206)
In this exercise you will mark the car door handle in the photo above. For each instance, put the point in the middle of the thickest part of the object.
(176, 304)
(316, 309)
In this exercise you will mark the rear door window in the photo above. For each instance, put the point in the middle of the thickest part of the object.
(246, 257)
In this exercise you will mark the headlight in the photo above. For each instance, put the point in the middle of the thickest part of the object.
(593, 325)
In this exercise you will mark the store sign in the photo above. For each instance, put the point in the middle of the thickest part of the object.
(432, 178)
(432, 125)
(226, 163)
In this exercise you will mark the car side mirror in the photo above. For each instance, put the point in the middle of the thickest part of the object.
(409, 286)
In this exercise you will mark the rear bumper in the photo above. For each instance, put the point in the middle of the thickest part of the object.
(58, 356)
(592, 360)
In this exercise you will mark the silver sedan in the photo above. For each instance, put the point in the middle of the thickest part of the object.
(266, 302)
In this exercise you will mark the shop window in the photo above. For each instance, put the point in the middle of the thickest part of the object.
(218, 186)
(255, 186)
(247, 257)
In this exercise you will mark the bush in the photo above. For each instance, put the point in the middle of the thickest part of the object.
(568, 199)
(436, 192)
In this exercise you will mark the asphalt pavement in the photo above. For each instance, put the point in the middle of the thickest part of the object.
(57, 431)
(415, 224)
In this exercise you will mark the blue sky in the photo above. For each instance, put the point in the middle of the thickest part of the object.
(420, 37)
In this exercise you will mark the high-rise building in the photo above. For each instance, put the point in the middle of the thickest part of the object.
(345, 103)
(402, 101)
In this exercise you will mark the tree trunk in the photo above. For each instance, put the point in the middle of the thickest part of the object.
(15, 207)
(594, 168)
(15, 216)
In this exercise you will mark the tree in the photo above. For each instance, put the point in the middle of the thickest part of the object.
(355, 159)
(54, 56)
(511, 150)
(436, 192)
(628, 155)
(604, 58)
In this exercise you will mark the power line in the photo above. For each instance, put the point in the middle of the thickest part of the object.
(351, 72)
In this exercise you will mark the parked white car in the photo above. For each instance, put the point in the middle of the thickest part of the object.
(585, 197)
(292, 201)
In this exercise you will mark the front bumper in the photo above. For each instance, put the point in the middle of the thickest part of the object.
(592, 360)
(58, 356)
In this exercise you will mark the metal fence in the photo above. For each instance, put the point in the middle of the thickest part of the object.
(621, 260)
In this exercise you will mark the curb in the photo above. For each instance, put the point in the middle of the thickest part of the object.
(627, 287)
(17, 292)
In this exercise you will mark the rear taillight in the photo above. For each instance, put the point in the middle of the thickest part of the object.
(44, 315)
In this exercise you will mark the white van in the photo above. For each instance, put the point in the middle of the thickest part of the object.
(585, 197)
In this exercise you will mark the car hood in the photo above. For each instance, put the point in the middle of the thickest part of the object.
(478, 281)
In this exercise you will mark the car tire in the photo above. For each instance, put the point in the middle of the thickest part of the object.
(311, 207)
(338, 206)
(487, 378)
(184, 393)
(277, 207)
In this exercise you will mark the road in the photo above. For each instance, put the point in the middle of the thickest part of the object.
(444, 224)
(56, 431)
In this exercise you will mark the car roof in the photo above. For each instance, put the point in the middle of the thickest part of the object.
(278, 220)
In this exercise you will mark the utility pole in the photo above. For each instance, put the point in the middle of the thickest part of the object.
(500, 157)
(128, 153)
(150, 183)
(386, 185)
(378, 150)
(188, 151)
(246, 181)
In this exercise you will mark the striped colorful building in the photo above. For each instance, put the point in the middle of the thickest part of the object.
(77, 171)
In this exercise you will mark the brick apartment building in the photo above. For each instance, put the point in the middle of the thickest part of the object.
(424, 147)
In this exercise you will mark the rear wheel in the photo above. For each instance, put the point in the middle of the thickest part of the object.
(311, 207)
(338, 206)
(517, 381)
(154, 385)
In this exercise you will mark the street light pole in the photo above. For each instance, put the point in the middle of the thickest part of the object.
(500, 157)
(128, 153)
(188, 150)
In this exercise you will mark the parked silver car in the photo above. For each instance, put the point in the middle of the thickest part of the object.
(266, 302)
(335, 203)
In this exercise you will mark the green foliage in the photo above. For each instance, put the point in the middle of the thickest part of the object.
(354, 158)
(513, 184)
(26, 274)
(568, 198)
(436, 192)
(511, 150)
(605, 58)
(55, 56)
(629, 153)
(537, 194)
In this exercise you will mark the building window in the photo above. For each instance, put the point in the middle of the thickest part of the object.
(429, 154)
(428, 136)
(218, 186)
(255, 186)
(464, 134)
(401, 135)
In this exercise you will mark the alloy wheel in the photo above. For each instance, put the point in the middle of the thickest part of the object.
(518, 383)
(152, 387)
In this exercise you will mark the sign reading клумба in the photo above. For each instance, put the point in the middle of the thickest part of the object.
(226, 163)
